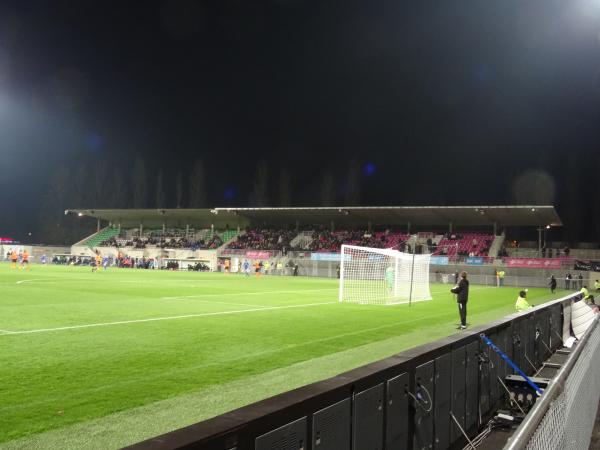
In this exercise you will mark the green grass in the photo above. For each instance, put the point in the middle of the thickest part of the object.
(101, 360)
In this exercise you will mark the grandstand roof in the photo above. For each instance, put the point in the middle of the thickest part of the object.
(476, 216)
(155, 218)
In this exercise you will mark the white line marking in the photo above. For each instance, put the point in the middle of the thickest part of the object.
(235, 304)
(232, 294)
(24, 281)
(224, 362)
(154, 319)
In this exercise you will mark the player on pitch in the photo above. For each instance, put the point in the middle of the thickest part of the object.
(13, 258)
(25, 260)
(98, 260)
(389, 279)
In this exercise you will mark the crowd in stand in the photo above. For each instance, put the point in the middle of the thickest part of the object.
(162, 242)
(471, 244)
(467, 244)
(265, 239)
(331, 241)
(451, 244)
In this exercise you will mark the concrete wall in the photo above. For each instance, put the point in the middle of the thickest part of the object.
(484, 275)
(207, 256)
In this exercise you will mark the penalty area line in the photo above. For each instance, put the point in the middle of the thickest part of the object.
(156, 319)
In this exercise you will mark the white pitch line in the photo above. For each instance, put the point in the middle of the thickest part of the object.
(24, 281)
(155, 319)
(237, 294)
(233, 304)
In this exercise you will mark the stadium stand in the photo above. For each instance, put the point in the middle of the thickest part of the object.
(172, 238)
(316, 230)
(99, 237)
(466, 244)
(328, 241)
(322, 241)
(325, 241)
(264, 239)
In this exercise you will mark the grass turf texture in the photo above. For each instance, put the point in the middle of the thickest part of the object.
(102, 360)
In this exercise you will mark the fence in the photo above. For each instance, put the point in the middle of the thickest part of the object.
(564, 417)
(517, 281)
(407, 401)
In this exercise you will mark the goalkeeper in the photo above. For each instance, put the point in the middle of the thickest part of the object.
(389, 279)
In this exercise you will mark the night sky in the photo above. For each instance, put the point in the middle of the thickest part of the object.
(403, 102)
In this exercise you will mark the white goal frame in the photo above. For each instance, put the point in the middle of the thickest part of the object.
(382, 276)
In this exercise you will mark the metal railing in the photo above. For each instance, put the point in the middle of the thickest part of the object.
(564, 416)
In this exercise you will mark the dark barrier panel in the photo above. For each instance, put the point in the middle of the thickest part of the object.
(396, 426)
(331, 427)
(530, 348)
(542, 343)
(555, 326)
(443, 401)
(400, 403)
(423, 407)
(484, 377)
(472, 378)
(367, 427)
(290, 436)
(496, 372)
(459, 362)
(519, 345)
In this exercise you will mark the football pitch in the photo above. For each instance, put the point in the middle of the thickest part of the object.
(102, 360)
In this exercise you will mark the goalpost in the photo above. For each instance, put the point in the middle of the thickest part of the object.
(382, 276)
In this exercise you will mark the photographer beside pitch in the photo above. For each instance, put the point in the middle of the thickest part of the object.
(462, 297)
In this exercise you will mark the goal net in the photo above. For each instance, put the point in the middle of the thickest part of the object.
(382, 276)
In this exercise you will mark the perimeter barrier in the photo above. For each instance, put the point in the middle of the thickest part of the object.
(418, 399)
(563, 419)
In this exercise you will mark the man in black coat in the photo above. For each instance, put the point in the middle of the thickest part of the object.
(462, 297)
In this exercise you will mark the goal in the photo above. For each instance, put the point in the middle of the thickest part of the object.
(382, 276)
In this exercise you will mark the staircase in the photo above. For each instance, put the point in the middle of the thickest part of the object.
(496, 245)
(95, 239)
(226, 236)
(303, 240)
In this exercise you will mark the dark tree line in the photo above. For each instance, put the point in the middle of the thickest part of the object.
(99, 184)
